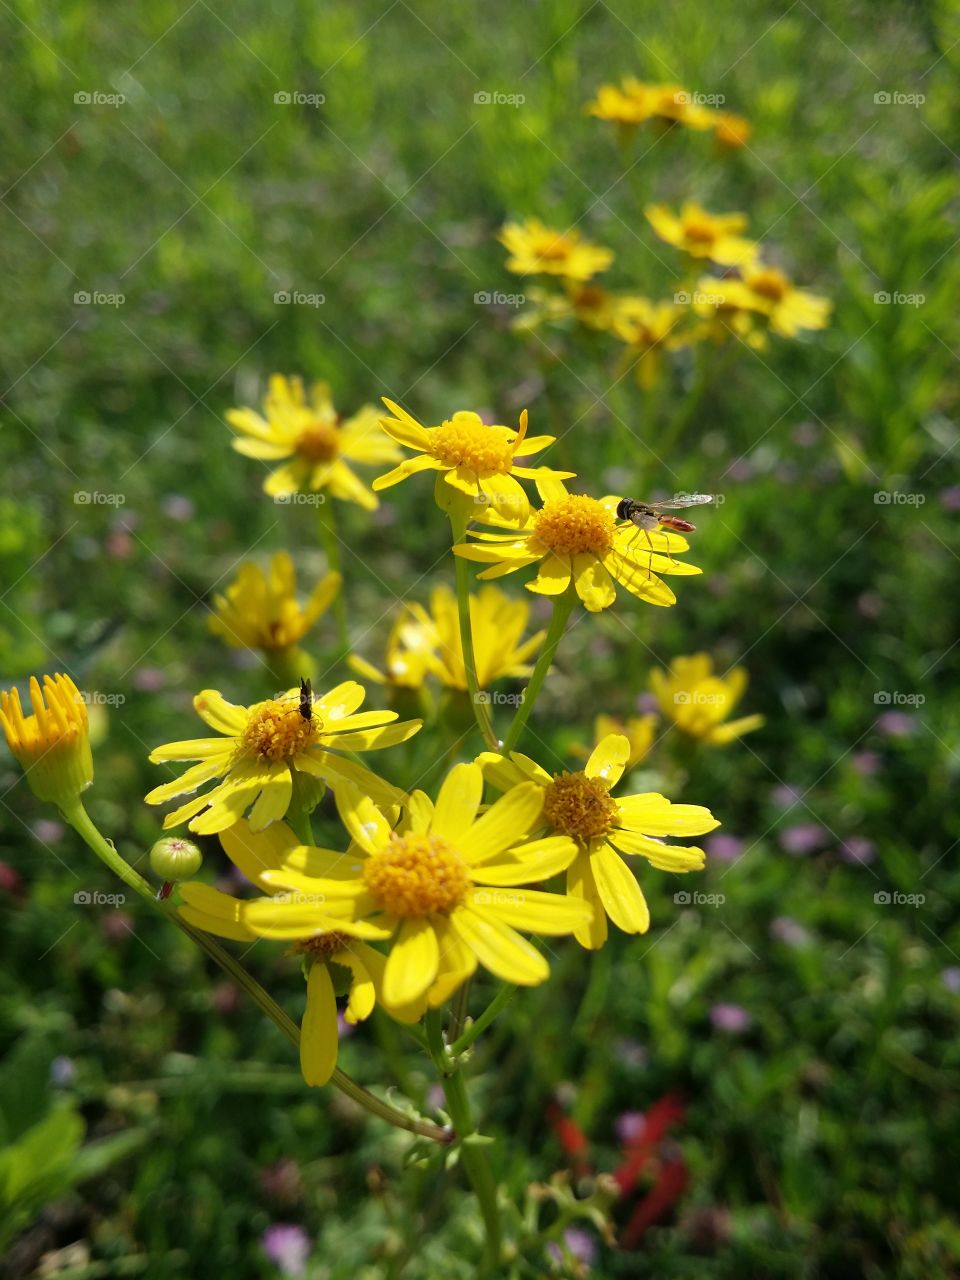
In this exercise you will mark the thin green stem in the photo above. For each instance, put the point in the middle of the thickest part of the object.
(461, 1007)
(562, 607)
(331, 545)
(473, 1153)
(479, 701)
(84, 826)
(480, 1024)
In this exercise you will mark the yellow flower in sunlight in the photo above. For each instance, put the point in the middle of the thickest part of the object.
(635, 103)
(579, 805)
(264, 745)
(639, 731)
(698, 702)
(423, 643)
(574, 538)
(261, 611)
(787, 309)
(728, 307)
(309, 433)
(476, 461)
(446, 885)
(649, 329)
(537, 249)
(731, 130)
(713, 236)
(332, 947)
(53, 744)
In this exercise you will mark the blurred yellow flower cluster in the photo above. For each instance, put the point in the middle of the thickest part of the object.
(662, 106)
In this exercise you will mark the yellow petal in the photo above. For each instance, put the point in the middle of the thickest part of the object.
(552, 914)
(458, 801)
(530, 863)
(274, 800)
(499, 948)
(215, 912)
(594, 584)
(654, 815)
(553, 578)
(361, 817)
(219, 714)
(609, 759)
(506, 822)
(412, 964)
(318, 1032)
(581, 884)
(252, 854)
(619, 892)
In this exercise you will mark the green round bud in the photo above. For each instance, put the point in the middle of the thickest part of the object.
(174, 858)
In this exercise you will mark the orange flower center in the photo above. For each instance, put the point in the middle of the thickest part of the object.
(578, 806)
(769, 284)
(275, 730)
(552, 246)
(466, 441)
(575, 524)
(320, 442)
(699, 229)
(416, 876)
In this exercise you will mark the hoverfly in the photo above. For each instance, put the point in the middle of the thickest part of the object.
(647, 516)
(306, 699)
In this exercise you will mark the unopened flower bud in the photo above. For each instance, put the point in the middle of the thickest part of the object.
(174, 858)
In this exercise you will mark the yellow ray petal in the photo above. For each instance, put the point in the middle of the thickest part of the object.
(511, 818)
(412, 964)
(619, 892)
(458, 801)
(318, 1031)
(499, 948)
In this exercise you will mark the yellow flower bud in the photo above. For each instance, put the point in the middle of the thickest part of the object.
(53, 744)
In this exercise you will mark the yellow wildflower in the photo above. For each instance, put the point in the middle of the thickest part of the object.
(635, 103)
(261, 611)
(447, 885)
(787, 308)
(474, 461)
(579, 805)
(423, 643)
(264, 745)
(698, 701)
(713, 236)
(574, 538)
(319, 445)
(53, 744)
(649, 329)
(537, 249)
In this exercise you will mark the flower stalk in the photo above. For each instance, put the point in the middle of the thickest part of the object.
(481, 707)
(562, 608)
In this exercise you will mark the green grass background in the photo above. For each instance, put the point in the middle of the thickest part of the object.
(821, 1140)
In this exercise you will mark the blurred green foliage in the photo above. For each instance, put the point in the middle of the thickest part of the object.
(819, 1139)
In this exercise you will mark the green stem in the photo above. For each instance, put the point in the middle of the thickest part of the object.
(473, 1154)
(562, 606)
(84, 826)
(480, 1025)
(331, 545)
(480, 703)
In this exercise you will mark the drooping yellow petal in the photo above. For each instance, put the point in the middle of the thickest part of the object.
(552, 914)
(618, 890)
(499, 948)
(412, 964)
(253, 853)
(581, 884)
(318, 1031)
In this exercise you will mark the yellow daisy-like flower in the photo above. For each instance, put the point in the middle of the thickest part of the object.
(698, 701)
(261, 611)
(728, 307)
(634, 103)
(649, 329)
(574, 538)
(53, 744)
(579, 805)
(332, 947)
(476, 462)
(446, 885)
(713, 236)
(731, 130)
(428, 643)
(318, 445)
(639, 731)
(264, 745)
(787, 308)
(536, 249)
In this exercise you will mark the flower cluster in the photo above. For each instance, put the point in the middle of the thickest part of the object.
(664, 106)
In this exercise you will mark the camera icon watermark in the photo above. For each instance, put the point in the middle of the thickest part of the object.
(94, 898)
(894, 98)
(94, 498)
(882, 298)
(96, 698)
(897, 498)
(684, 99)
(297, 298)
(95, 98)
(688, 898)
(883, 898)
(296, 98)
(300, 499)
(496, 298)
(483, 698)
(494, 98)
(97, 298)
